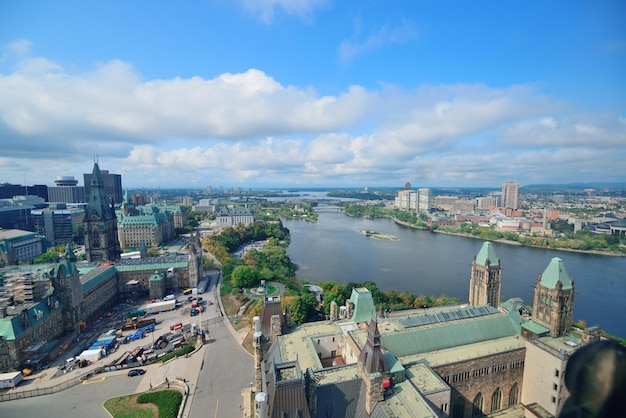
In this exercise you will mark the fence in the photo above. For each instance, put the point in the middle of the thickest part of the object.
(12, 395)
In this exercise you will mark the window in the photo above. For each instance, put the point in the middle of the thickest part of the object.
(496, 398)
(513, 395)
(556, 372)
(553, 399)
(555, 386)
(477, 405)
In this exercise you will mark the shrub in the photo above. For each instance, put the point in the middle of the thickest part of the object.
(168, 402)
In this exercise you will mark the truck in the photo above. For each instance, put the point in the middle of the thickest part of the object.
(163, 306)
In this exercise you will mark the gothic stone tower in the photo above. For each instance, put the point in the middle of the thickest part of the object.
(67, 287)
(101, 240)
(195, 259)
(485, 278)
(553, 306)
(372, 368)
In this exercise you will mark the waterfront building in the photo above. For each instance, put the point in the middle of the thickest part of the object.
(405, 200)
(486, 202)
(424, 200)
(460, 361)
(445, 202)
(65, 189)
(510, 195)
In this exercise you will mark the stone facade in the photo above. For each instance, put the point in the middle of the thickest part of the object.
(484, 378)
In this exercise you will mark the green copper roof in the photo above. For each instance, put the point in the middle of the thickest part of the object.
(555, 273)
(487, 253)
(98, 204)
(364, 309)
(12, 327)
(448, 335)
(536, 328)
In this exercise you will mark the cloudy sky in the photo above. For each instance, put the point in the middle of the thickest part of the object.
(277, 93)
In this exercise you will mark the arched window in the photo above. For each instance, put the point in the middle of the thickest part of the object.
(513, 395)
(477, 405)
(496, 398)
(95, 239)
(458, 409)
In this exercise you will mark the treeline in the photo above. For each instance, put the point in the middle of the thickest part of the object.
(380, 211)
(580, 241)
(270, 263)
(388, 300)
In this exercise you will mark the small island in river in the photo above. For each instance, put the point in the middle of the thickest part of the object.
(378, 235)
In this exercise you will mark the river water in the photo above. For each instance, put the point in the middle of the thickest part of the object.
(427, 263)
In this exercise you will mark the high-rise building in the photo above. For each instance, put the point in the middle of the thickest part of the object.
(8, 191)
(66, 190)
(424, 199)
(59, 224)
(112, 186)
(510, 195)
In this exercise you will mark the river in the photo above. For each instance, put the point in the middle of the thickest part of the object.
(427, 263)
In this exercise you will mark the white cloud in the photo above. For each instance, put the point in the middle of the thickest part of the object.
(249, 129)
(386, 35)
(265, 10)
(19, 47)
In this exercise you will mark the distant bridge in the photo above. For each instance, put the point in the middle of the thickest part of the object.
(328, 209)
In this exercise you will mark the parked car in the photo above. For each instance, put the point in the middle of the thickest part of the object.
(136, 372)
(187, 291)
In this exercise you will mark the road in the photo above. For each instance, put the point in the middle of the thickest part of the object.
(228, 368)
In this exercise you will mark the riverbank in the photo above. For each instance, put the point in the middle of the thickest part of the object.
(509, 242)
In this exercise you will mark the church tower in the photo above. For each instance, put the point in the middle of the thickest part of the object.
(372, 368)
(67, 287)
(195, 259)
(553, 305)
(485, 277)
(101, 240)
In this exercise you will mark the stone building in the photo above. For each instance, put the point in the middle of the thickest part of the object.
(458, 361)
(234, 216)
(100, 223)
(485, 278)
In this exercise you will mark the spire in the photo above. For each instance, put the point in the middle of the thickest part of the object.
(69, 253)
(555, 273)
(487, 254)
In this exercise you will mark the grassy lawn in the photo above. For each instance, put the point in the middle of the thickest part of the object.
(128, 407)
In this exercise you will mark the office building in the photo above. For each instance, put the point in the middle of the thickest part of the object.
(66, 190)
(510, 195)
(8, 191)
(424, 200)
(59, 224)
(112, 184)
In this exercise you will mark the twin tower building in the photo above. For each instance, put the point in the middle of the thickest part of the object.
(553, 305)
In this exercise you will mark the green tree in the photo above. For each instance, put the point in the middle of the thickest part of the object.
(244, 276)
(302, 308)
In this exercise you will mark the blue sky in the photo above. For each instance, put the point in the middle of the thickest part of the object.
(276, 93)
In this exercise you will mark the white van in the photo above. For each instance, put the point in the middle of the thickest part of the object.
(169, 297)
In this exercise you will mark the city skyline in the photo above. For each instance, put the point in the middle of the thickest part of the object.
(313, 93)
